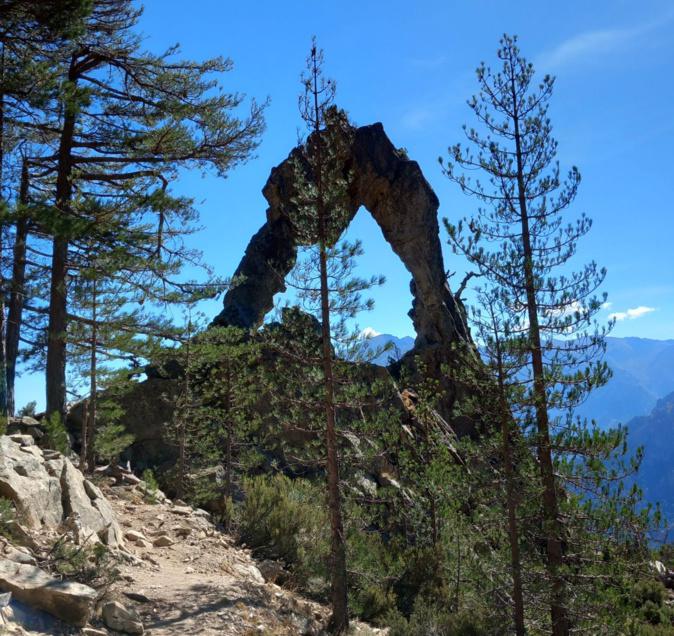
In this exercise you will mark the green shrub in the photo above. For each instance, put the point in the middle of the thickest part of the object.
(28, 410)
(90, 564)
(645, 591)
(286, 520)
(55, 434)
(7, 515)
(431, 619)
(374, 603)
(645, 611)
(151, 485)
(111, 441)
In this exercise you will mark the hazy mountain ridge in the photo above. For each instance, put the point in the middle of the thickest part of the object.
(398, 347)
(655, 432)
(643, 372)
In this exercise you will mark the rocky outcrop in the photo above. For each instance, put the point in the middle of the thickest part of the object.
(71, 602)
(392, 187)
(49, 492)
(148, 410)
(394, 190)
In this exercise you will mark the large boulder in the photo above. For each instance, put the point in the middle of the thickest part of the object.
(25, 424)
(71, 602)
(148, 411)
(81, 498)
(33, 484)
(48, 492)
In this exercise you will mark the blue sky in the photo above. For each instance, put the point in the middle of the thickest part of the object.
(411, 67)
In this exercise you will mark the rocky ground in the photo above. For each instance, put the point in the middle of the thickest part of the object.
(185, 577)
(175, 572)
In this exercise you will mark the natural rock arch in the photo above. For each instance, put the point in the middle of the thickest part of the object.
(393, 189)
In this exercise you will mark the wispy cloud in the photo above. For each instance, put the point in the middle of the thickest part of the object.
(631, 314)
(591, 44)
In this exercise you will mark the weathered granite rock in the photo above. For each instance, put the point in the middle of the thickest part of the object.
(393, 189)
(18, 554)
(121, 619)
(25, 425)
(134, 535)
(162, 541)
(148, 411)
(25, 478)
(83, 498)
(69, 601)
(49, 492)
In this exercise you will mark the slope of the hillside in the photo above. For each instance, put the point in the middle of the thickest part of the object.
(177, 573)
(655, 432)
(185, 577)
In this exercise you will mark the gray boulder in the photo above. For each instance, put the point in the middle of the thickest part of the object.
(121, 619)
(71, 602)
(31, 483)
(48, 492)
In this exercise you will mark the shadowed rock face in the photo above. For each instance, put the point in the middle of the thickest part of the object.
(395, 192)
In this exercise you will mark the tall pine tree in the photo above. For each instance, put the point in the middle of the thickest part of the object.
(522, 245)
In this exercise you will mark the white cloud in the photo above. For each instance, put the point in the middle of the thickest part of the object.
(631, 314)
(589, 44)
(369, 332)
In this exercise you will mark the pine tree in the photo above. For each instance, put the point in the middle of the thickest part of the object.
(493, 379)
(127, 121)
(217, 423)
(522, 245)
(318, 218)
(30, 32)
(326, 288)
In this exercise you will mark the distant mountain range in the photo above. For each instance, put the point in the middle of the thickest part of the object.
(643, 372)
(398, 347)
(640, 395)
(655, 432)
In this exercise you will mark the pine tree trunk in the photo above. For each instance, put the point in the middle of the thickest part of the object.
(182, 424)
(93, 382)
(340, 618)
(511, 499)
(58, 298)
(56, 344)
(228, 450)
(339, 621)
(17, 292)
(84, 433)
(551, 522)
(3, 356)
